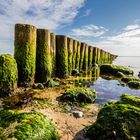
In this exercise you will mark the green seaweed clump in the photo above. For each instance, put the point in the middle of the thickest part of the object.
(114, 69)
(79, 95)
(117, 121)
(131, 81)
(134, 84)
(128, 79)
(8, 74)
(26, 126)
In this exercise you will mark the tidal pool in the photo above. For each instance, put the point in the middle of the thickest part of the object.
(110, 90)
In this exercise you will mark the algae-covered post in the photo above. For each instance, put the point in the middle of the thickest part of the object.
(70, 54)
(82, 50)
(98, 56)
(85, 62)
(8, 74)
(43, 57)
(25, 52)
(62, 56)
(94, 55)
(78, 55)
(74, 54)
(53, 53)
(90, 56)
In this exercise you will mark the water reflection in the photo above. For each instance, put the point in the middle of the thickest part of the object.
(110, 90)
(107, 89)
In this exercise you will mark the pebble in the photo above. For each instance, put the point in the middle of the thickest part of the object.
(77, 114)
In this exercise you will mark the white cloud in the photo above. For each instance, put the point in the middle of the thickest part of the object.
(87, 13)
(89, 31)
(131, 27)
(50, 14)
(126, 43)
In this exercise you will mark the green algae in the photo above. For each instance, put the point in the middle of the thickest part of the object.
(94, 55)
(114, 69)
(43, 56)
(70, 54)
(8, 74)
(25, 52)
(53, 53)
(62, 57)
(90, 56)
(74, 54)
(77, 65)
(134, 84)
(117, 121)
(82, 50)
(79, 95)
(26, 126)
(85, 61)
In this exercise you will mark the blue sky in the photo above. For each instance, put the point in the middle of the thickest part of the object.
(113, 25)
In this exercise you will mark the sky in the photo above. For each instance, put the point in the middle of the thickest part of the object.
(113, 25)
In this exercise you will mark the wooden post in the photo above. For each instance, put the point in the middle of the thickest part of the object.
(43, 56)
(78, 55)
(53, 53)
(82, 50)
(90, 56)
(74, 54)
(61, 56)
(70, 54)
(85, 62)
(25, 52)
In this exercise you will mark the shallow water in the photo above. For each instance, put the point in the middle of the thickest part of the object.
(108, 90)
(132, 62)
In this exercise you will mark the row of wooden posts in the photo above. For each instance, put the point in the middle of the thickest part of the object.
(40, 54)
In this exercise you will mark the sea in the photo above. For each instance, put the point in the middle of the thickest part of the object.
(111, 90)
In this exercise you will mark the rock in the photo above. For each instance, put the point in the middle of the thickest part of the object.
(114, 69)
(117, 121)
(29, 126)
(75, 72)
(134, 84)
(8, 74)
(139, 75)
(128, 79)
(77, 114)
(78, 95)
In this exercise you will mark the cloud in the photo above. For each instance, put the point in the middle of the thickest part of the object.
(50, 14)
(125, 43)
(131, 27)
(90, 30)
(87, 13)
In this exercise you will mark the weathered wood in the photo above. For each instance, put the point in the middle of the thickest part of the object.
(74, 54)
(70, 54)
(78, 56)
(25, 52)
(90, 56)
(85, 62)
(8, 74)
(53, 53)
(82, 51)
(62, 56)
(43, 56)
